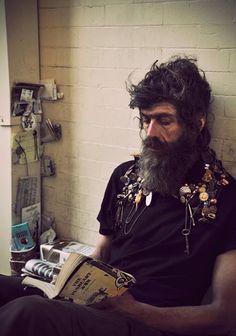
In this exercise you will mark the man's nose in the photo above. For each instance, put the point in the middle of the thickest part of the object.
(153, 128)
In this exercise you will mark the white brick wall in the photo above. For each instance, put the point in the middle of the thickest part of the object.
(90, 47)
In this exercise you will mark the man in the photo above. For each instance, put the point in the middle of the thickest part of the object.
(167, 217)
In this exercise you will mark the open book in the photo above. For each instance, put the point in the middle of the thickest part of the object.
(84, 280)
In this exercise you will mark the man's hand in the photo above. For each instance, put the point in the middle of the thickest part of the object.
(122, 303)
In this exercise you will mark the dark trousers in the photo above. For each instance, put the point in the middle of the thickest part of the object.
(26, 312)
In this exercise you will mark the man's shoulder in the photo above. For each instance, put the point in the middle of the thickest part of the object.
(232, 178)
(232, 182)
(228, 190)
(115, 178)
(123, 167)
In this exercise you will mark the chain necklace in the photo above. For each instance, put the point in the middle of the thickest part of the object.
(200, 199)
(129, 224)
(131, 196)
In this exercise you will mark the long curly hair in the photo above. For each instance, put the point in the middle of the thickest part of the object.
(181, 83)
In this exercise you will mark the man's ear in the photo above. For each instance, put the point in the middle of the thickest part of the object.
(202, 122)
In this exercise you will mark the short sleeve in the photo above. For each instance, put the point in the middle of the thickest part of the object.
(228, 237)
(106, 216)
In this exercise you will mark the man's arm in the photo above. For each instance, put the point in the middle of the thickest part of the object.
(102, 249)
(216, 318)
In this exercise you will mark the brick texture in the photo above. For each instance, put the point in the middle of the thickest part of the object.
(90, 47)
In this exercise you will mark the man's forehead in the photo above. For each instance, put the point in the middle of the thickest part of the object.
(158, 108)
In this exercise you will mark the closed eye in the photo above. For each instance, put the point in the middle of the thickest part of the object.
(162, 119)
(165, 120)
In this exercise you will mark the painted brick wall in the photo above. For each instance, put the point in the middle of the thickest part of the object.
(90, 47)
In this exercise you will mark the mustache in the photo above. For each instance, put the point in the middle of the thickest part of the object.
(154, 143)
(157, 147)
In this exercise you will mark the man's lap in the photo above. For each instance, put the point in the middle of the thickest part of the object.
(35, 315)
(11, 288)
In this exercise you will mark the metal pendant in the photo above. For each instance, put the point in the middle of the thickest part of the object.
(203, 196)
(184, 190)
(149, 199)
(138, 198)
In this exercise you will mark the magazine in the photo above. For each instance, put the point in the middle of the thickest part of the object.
(43, 270)
(59, 251)
(84, 280)
(21, 237)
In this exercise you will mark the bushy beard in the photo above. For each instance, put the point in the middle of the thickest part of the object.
(163, 166)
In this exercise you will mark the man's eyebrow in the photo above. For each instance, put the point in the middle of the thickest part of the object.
(159, 115)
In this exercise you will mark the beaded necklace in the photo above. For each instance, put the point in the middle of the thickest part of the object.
(200, 199)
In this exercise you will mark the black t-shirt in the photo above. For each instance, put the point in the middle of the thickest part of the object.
(152, 247)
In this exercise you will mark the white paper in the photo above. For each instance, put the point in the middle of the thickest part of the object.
(31, 215)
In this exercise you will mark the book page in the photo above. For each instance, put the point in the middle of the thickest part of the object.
(67, 269)
(48, 288)
(94, 282)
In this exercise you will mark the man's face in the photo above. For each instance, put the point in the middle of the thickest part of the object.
(161, 121)
(168, 150)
